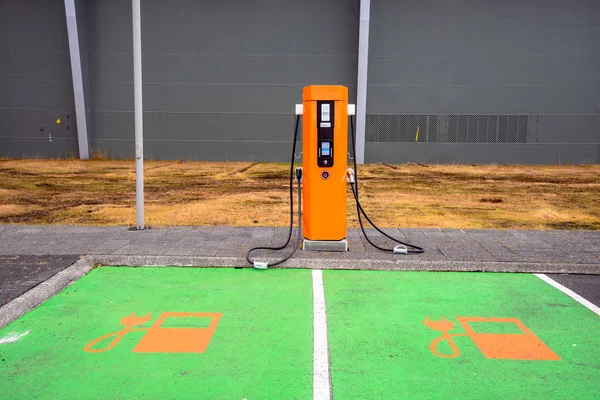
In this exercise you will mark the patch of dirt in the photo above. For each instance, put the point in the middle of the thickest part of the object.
(572, 225)
(244, 169)
(267, 176)
(494, 200)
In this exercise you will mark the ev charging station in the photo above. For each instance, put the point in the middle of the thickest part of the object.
(324, 174)
(324, 151)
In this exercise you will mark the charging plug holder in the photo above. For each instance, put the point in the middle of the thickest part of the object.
(260, 265)
(401, 249)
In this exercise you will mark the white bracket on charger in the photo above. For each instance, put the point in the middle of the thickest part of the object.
(300, 109)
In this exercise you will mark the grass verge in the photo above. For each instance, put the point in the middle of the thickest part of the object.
(102, 192)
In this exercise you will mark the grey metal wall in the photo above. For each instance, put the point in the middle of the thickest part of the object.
(513, 81)
(35, 81)
(221, 77)
(481, 80)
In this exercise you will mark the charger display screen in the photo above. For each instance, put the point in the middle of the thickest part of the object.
(325, 124)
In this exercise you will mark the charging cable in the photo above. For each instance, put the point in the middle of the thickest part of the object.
(298, 173)
(402, 247)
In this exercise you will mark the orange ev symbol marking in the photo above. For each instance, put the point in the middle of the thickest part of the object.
(508, 346)
(163, 340)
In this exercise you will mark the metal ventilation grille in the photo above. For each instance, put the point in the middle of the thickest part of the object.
(451, 128)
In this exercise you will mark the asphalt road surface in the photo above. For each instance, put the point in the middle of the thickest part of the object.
(18, 274)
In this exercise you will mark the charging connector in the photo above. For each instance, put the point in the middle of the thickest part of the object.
(350, 175)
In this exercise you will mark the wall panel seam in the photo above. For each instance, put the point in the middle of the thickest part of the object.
(481, 26)
(229, 55)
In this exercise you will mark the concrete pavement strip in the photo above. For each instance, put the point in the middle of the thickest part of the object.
(37, 295)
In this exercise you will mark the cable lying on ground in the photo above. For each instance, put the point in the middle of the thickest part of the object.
(264, 264)
(402, 247)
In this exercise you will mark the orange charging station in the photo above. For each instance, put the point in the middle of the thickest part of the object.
(325, 113)
(323, 177)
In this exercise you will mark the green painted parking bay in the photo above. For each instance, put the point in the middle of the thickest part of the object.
(458, 335)
(121, 332)
(194, 333)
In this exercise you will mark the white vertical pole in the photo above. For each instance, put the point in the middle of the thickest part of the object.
(139, 114)
(77, 76)
(361, 84)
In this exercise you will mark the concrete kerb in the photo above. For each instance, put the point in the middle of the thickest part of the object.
(374, 265)
(37, 295)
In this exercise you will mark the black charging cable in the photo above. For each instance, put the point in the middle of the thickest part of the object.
(403, 248)
(289, 236)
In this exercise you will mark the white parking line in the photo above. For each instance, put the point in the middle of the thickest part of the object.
(570, 293)
(321, 376)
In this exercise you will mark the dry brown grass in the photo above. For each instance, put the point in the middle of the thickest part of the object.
(202, 193)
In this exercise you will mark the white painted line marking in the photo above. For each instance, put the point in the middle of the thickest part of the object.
(12, 337)
(592, 307)
(321, 377)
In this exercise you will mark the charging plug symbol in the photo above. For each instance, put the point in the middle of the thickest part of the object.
(164, 339)
(518, 343)
(443, 326)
